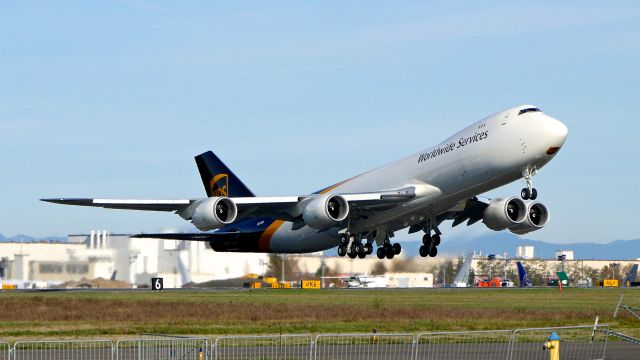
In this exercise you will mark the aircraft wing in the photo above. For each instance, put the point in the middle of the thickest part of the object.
(127, 204)
(470, 211)
(279, 208)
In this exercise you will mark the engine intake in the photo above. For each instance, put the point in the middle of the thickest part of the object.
(504, 213)
(537, 217)
(325, 211)
(213, 213)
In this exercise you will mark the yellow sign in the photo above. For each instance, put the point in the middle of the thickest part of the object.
(256, 285)
(611, 283)
(281, 285)
(310, 284)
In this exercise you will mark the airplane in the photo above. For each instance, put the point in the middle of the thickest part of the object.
(525, 281)
(418, 192)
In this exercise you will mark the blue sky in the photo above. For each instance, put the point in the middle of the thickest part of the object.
(113, 99)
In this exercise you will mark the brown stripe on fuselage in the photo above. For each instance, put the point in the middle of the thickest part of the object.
(264, 243)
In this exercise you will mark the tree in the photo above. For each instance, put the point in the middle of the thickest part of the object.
(291, 269)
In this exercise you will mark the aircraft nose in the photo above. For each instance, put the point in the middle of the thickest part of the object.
(557, 133)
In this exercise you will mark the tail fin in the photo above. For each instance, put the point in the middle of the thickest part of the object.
(632, 276)
(217, 179)
(522, 275)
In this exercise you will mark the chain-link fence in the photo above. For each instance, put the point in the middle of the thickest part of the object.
(5, 350)
(576, 342)
(71, 350)
(364, 346)
(290, 347)
(171, 348)
(493, 344)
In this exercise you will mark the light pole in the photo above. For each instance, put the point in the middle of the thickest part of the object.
(613, 269)
(282, 257)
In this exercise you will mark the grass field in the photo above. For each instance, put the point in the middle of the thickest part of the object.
(31, 315)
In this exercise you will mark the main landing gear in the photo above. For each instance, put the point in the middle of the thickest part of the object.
(388, 250)
(352, 246)
(529, 193)
(429, 245)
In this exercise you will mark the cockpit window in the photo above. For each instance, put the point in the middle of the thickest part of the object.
(528, 110)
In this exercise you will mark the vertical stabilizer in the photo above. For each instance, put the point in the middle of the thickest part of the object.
(218, 179)
(632, 276)
(525, 281)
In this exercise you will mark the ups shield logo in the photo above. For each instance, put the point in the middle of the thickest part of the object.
(219, 185)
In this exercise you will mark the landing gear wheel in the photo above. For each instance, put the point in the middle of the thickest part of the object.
(380, 253)
(344, 240)
(360, 249)
(368, 248)
(534, 194)
(433, 251)
(389, 252)
(396, 248)
(352, 252)
(426, 240)
(525, 194)
(424, 251)
(361, 255)
(436, 240)
(342, 250)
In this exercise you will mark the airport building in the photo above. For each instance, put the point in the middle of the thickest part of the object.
(100, 254)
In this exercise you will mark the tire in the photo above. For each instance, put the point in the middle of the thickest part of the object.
(342, 251)
(380, 253)
(534, 194)
(361, 255)
(426, 240)
(433, 252)
(436, 240)
(368, 248)
(389, 252)
(352, 255)
(424, 251)
(360, 249)
(344, 240)
(525, 194)
(396, 248)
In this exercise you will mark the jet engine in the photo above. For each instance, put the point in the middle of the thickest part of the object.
(325, 211)
(504, 213)
(537, 218)
(213, 213)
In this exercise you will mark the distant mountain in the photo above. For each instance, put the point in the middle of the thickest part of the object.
(500, 242)
(28, 238)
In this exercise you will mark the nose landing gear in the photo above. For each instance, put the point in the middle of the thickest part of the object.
(529, 193)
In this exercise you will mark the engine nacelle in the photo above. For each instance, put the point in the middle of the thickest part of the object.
(504, 213)
(213, 213)
(537, 217)
(325, 211)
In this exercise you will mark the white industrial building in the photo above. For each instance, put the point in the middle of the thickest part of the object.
(100, 254)
(568, 254)
(525, 252)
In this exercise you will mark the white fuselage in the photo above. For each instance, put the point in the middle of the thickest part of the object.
(488, 154)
